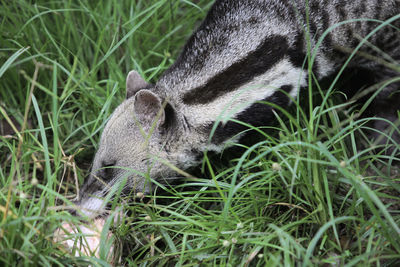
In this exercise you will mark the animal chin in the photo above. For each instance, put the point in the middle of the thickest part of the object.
(92, 207)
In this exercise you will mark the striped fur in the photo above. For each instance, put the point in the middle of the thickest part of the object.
(245, 51)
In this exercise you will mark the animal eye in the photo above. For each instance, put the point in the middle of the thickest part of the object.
(106, 172)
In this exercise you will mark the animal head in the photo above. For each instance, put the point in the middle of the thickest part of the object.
(141, 140)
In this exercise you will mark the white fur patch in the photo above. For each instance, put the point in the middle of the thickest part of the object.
(261, 87)
(92, 207)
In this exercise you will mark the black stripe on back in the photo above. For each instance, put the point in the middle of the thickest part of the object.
(258, 114)
(257, 62)
(296, 53)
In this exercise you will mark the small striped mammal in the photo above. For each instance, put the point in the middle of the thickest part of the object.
(245, 51)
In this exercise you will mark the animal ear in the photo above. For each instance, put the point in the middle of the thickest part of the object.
(148, 107)
(134, 83)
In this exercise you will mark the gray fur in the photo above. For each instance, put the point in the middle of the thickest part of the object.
(242, 53)
(135, 82)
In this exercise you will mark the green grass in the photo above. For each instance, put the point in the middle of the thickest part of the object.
(307, 196)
